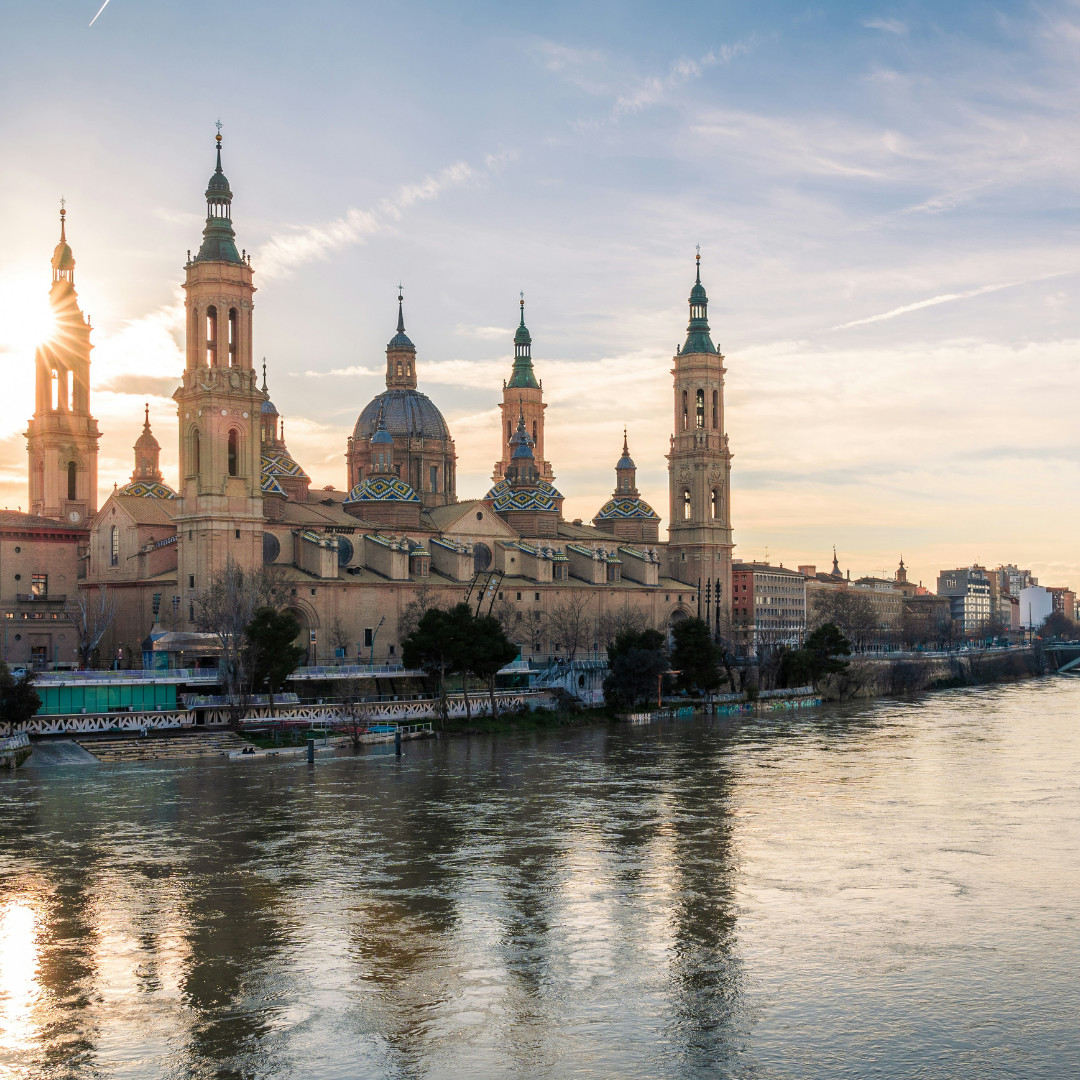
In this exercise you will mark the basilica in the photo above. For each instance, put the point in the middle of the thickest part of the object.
(350, 560)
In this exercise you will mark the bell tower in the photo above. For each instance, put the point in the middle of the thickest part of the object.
(523, 395)
(699, 464)
(219, 404)
(62, 437)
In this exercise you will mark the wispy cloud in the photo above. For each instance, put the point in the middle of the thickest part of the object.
(486, 333)
(294, 247)
(887, 26)
(946, 298)
(355, 369)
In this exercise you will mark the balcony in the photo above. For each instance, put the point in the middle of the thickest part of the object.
(34, 598)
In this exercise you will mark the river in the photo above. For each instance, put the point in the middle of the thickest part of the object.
(888, 889)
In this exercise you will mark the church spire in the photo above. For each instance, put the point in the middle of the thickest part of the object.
(219, 239)
(400, 355)
(697, 332)
(523, 374)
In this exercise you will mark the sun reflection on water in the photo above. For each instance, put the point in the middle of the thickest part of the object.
(19, 986)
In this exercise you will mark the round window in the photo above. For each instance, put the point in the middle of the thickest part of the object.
(481, 557)
(344, 551)
(271, 547)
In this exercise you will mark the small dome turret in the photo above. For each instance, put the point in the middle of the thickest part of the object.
(523, 374)
(219, 239)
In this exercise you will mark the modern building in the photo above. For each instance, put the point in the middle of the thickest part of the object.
(352, 561)
(1064, 600)
(968, 590)
(768, 605)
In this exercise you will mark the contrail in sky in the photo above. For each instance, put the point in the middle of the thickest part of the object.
(946, 298)
(100, 10)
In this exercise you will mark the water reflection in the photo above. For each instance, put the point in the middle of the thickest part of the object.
(19, 987)
(785, 897)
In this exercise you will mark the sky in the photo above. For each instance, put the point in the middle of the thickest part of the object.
(886, 199)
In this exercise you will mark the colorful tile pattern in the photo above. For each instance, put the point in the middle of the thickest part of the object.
(626, 508)
(148, 489)
(382, 489)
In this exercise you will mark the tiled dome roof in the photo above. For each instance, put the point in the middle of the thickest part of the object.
(406, 414)
(626, 508)
(382, 489)
(148, 489)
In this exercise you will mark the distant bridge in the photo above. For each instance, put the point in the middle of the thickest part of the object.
(1064, 656)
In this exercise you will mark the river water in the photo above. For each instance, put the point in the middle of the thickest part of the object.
(881, 890)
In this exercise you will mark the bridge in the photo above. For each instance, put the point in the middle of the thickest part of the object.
(1064, 656)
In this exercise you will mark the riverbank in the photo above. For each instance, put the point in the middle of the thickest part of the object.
(869, 677)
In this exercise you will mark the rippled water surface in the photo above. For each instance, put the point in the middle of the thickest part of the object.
(888, 890)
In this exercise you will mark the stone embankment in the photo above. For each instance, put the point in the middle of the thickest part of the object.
(868, 677)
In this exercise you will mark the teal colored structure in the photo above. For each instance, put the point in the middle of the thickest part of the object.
(99, 699)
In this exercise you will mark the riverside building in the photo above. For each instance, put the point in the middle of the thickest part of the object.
(353, 560)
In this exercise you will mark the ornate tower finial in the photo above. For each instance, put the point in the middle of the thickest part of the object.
(264, 389)
(146, 416)
(63, 214)
(400, 310)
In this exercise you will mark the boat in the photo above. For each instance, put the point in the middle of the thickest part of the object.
(14, 750)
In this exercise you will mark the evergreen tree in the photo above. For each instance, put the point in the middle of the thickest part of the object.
(636, 660)
(19, 700)
(488, 652)
(695, 656)
(272, 656)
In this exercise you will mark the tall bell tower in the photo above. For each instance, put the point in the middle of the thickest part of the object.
(523, 395)
(219, 406)
(62, 437)
(699, 464)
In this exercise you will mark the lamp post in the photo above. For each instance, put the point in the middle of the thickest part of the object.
(374, 634)
(660, 685)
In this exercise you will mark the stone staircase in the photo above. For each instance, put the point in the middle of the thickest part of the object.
(163, 747)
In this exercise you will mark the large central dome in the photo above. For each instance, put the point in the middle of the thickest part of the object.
(423, 451)
(406, 414)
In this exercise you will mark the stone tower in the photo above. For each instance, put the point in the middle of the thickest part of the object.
(62, 437)
(219, 405)
(699, 464)
(523, 395)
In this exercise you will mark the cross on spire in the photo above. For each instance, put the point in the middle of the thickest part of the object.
(217, 124)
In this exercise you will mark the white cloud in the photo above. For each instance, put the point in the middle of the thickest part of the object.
(888, 26)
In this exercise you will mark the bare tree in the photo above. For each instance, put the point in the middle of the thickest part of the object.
(852, 612)
(353, 714)
(92, 614)
(568, 623)
(508, 618)
(424, 599)
(224, 608)
(612, 623)
(339, 637)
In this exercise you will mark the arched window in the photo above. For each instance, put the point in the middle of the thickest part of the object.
(399, 367)
(232, 338)
(70, 400)
(211, 336)
(714, 503)
(55, 390)
(716, 409)
(700, 409)
(114, 546)
(685, 414)
(73, 474)
(196, 452)
(686, 504)
(534, 433)
(509, 432)
(234, 454)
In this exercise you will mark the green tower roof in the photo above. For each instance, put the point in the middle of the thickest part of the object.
(697, 332)
(523, 374)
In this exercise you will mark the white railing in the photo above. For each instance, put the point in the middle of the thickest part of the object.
(96, 723)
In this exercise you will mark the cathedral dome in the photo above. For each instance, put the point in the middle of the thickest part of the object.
(618, 508)
(382, 489)
(406, 414)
